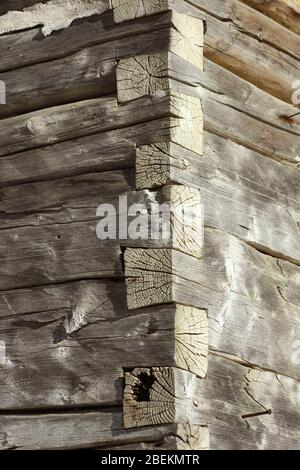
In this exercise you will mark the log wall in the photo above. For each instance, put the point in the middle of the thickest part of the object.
(150, 344)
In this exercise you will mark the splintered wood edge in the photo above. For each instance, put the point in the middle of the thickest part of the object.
(192, 437)
(159, 395)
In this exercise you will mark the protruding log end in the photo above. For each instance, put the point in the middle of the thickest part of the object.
(159, 395)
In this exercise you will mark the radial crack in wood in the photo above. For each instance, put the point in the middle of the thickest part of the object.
(191, 339)
(158, 395)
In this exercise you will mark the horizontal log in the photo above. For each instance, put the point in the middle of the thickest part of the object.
(90, 72)
(66, 345)
(89, 117)
(248, 408)
(237, 36)
(78, 430)
(99, 429)
(242, 192)
(247, 392)
(83, 75)
(173, 219)
(285, 12)
(100, 152)
(43, 255)
(240, 287)
(185, 437)
(25, 48)
(9, 5)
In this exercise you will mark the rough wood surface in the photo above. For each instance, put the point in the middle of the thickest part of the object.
(77, 430)
(232, 398)
(127, 10)
(159, 395)
(89, 117)
(43, 255)
(99, 429)
(242, 40)
(91, 71)
(285, 12)
(52, 15)
(243, 290)
(243, 193)
(66, 345)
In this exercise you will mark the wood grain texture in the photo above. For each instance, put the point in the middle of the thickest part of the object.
(76, 430)
(243, 193)
(66, 345)
(244, 291)
(43, 255)
(22, 49)
(90, 72)
(53, 15)
(184, 437)
(158, 395)
(233, 395)
(99, 429)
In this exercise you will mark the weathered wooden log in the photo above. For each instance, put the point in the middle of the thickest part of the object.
(93, 430)
(237, 284)
(285, 12)
(226, 40)
(267, 401)
(91, 72)
(159, 395)
(92, 116)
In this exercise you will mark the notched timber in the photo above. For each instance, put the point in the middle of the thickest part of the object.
(54, 15)
(158, 395)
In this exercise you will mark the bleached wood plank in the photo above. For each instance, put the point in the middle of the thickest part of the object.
(66, 345)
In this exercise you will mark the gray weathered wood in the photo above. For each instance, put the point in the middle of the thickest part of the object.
(75, 430)
(241, 40)
(66, 345)
(232, 391)
(91, 72)
(243, 193)
(53, 15)
(43, 255)
(97, 429)
(92, 116)
(243, 290)
(28, 47)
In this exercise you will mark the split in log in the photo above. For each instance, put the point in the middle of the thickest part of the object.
(159, 395)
